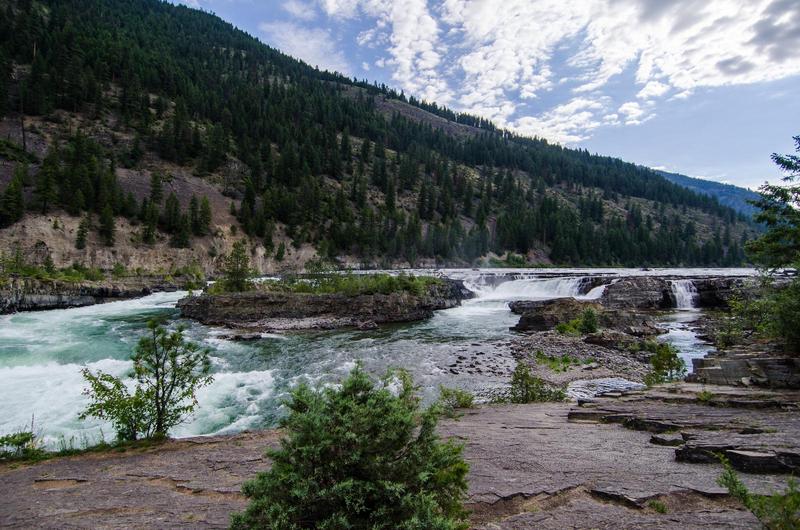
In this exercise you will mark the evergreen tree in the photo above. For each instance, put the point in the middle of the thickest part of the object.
(204, 218)
(12, 202)
(780, 245)
(107, 226)
(83, 232)
(183, 233)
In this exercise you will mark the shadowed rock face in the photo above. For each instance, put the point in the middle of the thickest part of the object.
(644, 292)
(28, 294)
(265, 310)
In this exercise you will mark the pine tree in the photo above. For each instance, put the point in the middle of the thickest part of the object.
(205, 217)
(107, 226)
(156, 188)
(83, 232)
(183, 233)
(12, 203)
(194, 215)
(45, 190)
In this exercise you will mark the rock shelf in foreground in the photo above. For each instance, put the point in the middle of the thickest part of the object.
(531, 466)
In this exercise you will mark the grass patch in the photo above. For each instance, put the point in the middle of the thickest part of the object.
(452, 399)
(353, 284)
(657, 506)
(560, 363)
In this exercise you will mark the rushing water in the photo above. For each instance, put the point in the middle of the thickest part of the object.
(42, 354)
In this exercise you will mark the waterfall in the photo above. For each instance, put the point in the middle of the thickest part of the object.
(685, 294)
(528, 289)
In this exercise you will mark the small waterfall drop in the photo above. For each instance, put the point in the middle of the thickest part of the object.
(528, 289)
(685, 294)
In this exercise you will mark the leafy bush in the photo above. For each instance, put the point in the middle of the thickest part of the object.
(168, 371)
(666, 365)
(451, 399)
(780, 511)
(21, 445)
(527, 388)
(359, 456)
(704, 396)
(588, 321)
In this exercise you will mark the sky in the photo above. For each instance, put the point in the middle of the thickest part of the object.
(707, 88)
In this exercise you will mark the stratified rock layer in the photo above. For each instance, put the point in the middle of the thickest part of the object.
(28, 294)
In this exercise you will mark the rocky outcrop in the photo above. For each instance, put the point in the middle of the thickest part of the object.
(717, 292)
(746, 368)
(642, 292)
(28, 294)
(271, 310)
(544, 315)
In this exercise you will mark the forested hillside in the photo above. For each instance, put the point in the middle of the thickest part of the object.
(740, 199)
(106, 101)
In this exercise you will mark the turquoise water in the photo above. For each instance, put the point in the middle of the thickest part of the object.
(42, 354)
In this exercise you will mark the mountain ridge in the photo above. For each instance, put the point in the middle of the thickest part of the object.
(312, 162)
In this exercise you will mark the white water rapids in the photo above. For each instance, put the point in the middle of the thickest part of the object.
(42, 354)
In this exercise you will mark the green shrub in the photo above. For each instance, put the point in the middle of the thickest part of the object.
(658, 506)
(21, 445)
(588, 321)
(119, 271)
(585, 324)
(569, 328)
(666, 364)
(451, 399)
(168, 370)
(780, 511)
(527, 388)
(359, 456)
(704, 396)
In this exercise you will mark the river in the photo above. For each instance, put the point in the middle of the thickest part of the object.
(42, 353)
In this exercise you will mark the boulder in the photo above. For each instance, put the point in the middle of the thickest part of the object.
(641, 292)
(543, 315)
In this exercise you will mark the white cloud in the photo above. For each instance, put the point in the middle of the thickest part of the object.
(653, 89)
(313, 45)
(633, 112)
(494, 58)
(300, 10)
(365, 66)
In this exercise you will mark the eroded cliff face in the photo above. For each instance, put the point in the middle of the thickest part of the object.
(28, 294)
(268, 310)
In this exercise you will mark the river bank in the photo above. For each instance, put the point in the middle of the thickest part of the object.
(19, 294)
(468, 346)
(572, 466)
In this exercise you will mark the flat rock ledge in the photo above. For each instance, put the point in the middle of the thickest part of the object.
(29, 294)
(548, 466)
(280, 311)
